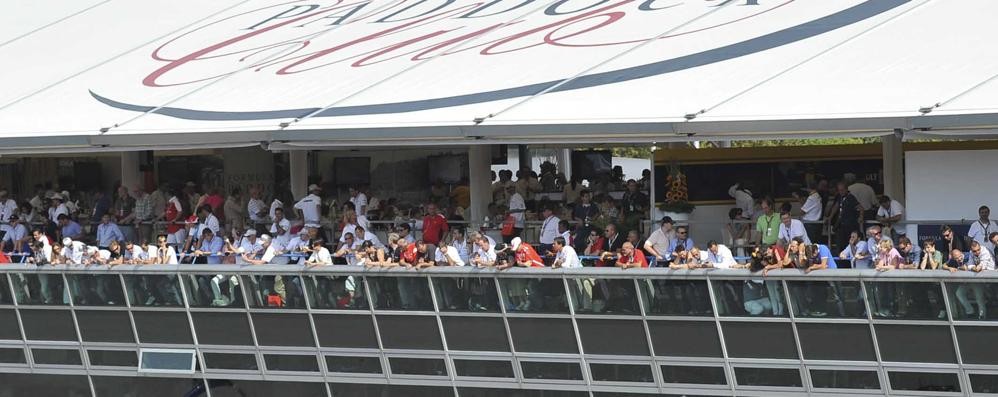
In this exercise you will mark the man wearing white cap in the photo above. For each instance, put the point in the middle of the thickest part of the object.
(281, 228)
(297, 245)
(268, 250)
(249, 245)
(56, 208)
(308, 207)
(15, 235)
(73, 251)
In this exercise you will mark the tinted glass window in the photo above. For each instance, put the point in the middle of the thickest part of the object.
(693, 375)
(39, 289)
(489, 392)
(906, 300)
(526, 295)
(336, 293)
(56, 356)
(410, 332)
(483, 368)
(836, 341)
(476, 333)
(49, 325)
(361, 365)
(827, 379)
(418, 366)
(200, 290)
(977, 344)
(924, 381)
(621, 372)
(621, 337)
(12, 355)
(982, 383)
(153, 291)
(750, 298)
(768, 377)
(5, 298)
(174, 360)
(283, 329)
(935, 343)
(231, 361)
(43, 385)
(105, 326)
(113, 358)
(526, 331)
(759, 340)
(274, 292)
(9, 325)
(288, 362)
(685, 338)
(222, 328)
(348, 389)
(826, 299)
(676, 297)
(604, 296)
(345, 330)
(144, 386)
(400, 293)
(547, 370)
(163, 327)
(252, 388)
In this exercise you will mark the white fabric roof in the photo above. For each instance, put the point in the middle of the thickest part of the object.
(121, 74)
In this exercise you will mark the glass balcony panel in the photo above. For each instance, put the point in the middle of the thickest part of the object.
(977, 344)
(934, 343)
(409, 332)
(467, 294)
(604, 296)
(924, 381)
(5, 296)
(828, 379)
(831, 299)
(345, 330)
(490, 392)
(283, 329)
(685, 338)
(526, 330)
(972, 301)
(213, 290)
(759, 340)
(533, 295)
(154, 290)
(163, 327)
(675, 297)
(906, 300)
(274, 291)
(756, 298)
(336, 293)
(621, 373)
(833, 341)
(400, 293)
(39, 289)
(96, 290)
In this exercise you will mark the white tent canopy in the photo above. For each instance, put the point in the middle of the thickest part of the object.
(124, 75)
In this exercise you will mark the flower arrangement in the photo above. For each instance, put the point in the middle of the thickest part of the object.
(678, 194)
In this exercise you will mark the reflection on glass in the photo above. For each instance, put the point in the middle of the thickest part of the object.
(675, 297)
(970, 300)
(828, 379)
(336, 292)
(275, 291)
(39, 289)
(400, 293)
(545, 295)
(153, 290)
(468, 294)
(551, 370)
(418, 366)
(924, 381)
(621, 373)
(984, 383)
(836, 299)
(213, 291)
(96, 290)
(5, 298)
(610, 296)
(906, 300)
(768, 377)
(761, 298)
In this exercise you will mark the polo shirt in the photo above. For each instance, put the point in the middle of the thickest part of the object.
(434, 228)
(661, 241)
(769, 227)
(549, 230)
(568, 257)
(636, 257)
(309, 207)
(526, 253)
(254, 207)
(895, 209)
(812, 207)
(107, 232)
(722, 259)
(72, 229)
(322, 257)
(441, 258)
(979, 231)
(796, 229)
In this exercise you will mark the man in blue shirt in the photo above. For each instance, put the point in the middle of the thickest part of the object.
(682, 239)
(209, 248)
(856, 253)
(69, 228)
(107, 232)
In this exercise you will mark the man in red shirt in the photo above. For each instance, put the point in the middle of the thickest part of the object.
(414, 255)
(525, 255)
(630, 257)
(434, 225)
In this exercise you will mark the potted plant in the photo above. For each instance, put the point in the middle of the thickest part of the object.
(676, 204)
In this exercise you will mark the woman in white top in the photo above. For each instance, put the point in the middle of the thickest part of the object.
(320, 255)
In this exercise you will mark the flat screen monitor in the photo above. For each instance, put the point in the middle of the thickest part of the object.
(448, 169)
(590, 164)
(352, 171)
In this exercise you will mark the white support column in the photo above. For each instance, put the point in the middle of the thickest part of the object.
(652, 211)
(131, 177)
(893, 153)
(298, 164)
(479, 181)
(565, 163)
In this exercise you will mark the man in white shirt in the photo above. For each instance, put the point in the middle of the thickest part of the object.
(743, 199)
(248, 245)
(255, 207)
(719, 256)
(57, 208)
(361, 235)
(517, 207)
(267, 252)
(7, 207)
(983, 227)
(274, 205)
(308, 207)
(864, 193)
(889, 212)
(791, 228)
(108, 232)
(281, 228)
(73, 251)
(566, 256)
(446, 255)
(811, 206)
(207, 220)
(15, 235)
(565, 231)
(320, 255)
(980, 260)
(549, 230)
(485, 254)
(660, 240)
(359, 200)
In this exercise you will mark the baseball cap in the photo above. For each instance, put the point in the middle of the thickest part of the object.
(313, 187)
(516, 243)
(250, 232)
(67, 241)
(265, 237)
